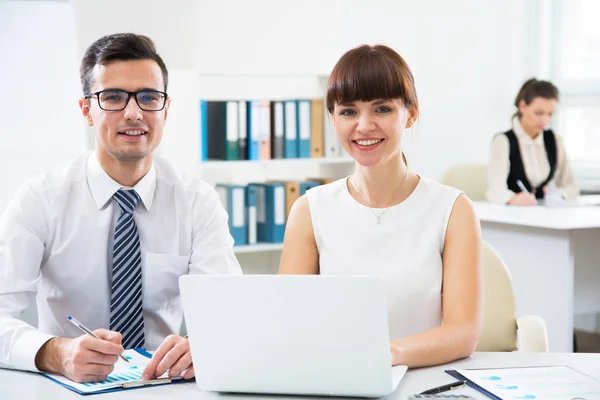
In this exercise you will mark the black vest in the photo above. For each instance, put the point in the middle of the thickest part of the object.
(517, 171)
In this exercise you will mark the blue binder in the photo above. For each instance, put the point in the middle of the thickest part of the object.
(203, 131)
(251, 213)
(290, 116)
(304, 186)
(253, 131)
(233, 198)
(270, 216)
(304, 128)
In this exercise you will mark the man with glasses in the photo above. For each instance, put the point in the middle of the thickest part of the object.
(106, 240)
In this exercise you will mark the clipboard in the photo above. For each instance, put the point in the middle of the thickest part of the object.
(530, 382)
(124, 377)
(454, 373)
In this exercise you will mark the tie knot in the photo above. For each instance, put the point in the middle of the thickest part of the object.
(127, 200)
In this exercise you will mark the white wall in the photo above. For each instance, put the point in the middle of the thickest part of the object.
(41, 127)
(468, 56)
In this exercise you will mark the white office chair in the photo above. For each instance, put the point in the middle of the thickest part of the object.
(502, 331)
(470, 178)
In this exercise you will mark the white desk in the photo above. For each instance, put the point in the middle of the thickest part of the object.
(25, 385)
(553, 255)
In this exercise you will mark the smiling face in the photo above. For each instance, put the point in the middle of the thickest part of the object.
(130, 135)
(371, 131)
(372, 99)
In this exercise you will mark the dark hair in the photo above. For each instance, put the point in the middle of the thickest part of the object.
(122, 47)
(367, 73)
(533, 88)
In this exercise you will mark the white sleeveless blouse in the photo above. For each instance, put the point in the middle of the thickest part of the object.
(404, 250)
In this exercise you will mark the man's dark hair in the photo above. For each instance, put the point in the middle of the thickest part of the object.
(121, 47)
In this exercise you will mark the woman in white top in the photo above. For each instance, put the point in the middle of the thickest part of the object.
(528, 162)
(420, 237)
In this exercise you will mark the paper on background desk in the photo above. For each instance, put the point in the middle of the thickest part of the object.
(123, 372)
(535, 383)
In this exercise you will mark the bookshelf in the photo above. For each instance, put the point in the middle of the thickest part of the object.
(280, 162)
(182, 141)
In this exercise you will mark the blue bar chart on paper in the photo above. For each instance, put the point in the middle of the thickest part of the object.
(124, 372)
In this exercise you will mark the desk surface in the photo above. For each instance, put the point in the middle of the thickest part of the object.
(26, 385)
(560, 218)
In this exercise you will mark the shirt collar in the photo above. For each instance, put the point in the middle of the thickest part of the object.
(524, 136)
(103, 187)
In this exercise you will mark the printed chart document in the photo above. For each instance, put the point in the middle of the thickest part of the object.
(532, 383)
(125, 376)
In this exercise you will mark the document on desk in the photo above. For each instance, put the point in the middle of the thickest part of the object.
(124, 376)
(536, 383)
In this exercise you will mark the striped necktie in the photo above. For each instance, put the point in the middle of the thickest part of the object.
(126, 314)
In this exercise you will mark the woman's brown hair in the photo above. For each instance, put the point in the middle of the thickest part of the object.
(533, 88)
(368, 73)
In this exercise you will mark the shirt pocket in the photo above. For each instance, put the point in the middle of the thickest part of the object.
(161, 279)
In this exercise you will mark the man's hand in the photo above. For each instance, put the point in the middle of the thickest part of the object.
(83, 359)
(523, 199)
(172, 355)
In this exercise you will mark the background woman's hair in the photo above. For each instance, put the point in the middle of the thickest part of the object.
(533, 88)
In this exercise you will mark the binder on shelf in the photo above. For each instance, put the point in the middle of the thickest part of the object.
(253, 131)
(277, 130)
(232, 131)
(317, 126)
(304, 127)
(264, 130)
(219, 125)
(270, 216)
(251, 211)
(243, 130)
(203, 131)
(306, 185)
(331, 144)
(292, 193)
(322, 181)
(291, 129)
(233, 198)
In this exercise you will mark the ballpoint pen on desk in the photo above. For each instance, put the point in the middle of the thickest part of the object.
(89, 332)
(522, 186)
(445, 388)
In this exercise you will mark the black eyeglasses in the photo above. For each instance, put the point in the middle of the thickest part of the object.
(117, 100)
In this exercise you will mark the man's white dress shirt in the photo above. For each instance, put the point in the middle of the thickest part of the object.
(56, 240)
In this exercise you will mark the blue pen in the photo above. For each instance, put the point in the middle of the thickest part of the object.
(89, 332)
(522, 186)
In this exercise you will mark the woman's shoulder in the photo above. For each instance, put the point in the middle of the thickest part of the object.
(327, 191)
(434, 188)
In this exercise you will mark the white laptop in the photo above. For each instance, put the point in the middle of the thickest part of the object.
(289, 334)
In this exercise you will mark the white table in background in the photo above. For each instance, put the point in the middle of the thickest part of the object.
(553, 255)
(32, 386)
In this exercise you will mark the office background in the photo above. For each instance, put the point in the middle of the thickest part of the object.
(469, 58)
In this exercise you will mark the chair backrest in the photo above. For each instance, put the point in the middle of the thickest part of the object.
(499, 320)
(470, 178)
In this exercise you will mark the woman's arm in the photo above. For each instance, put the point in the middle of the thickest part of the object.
(299, 254)
(462, 300)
